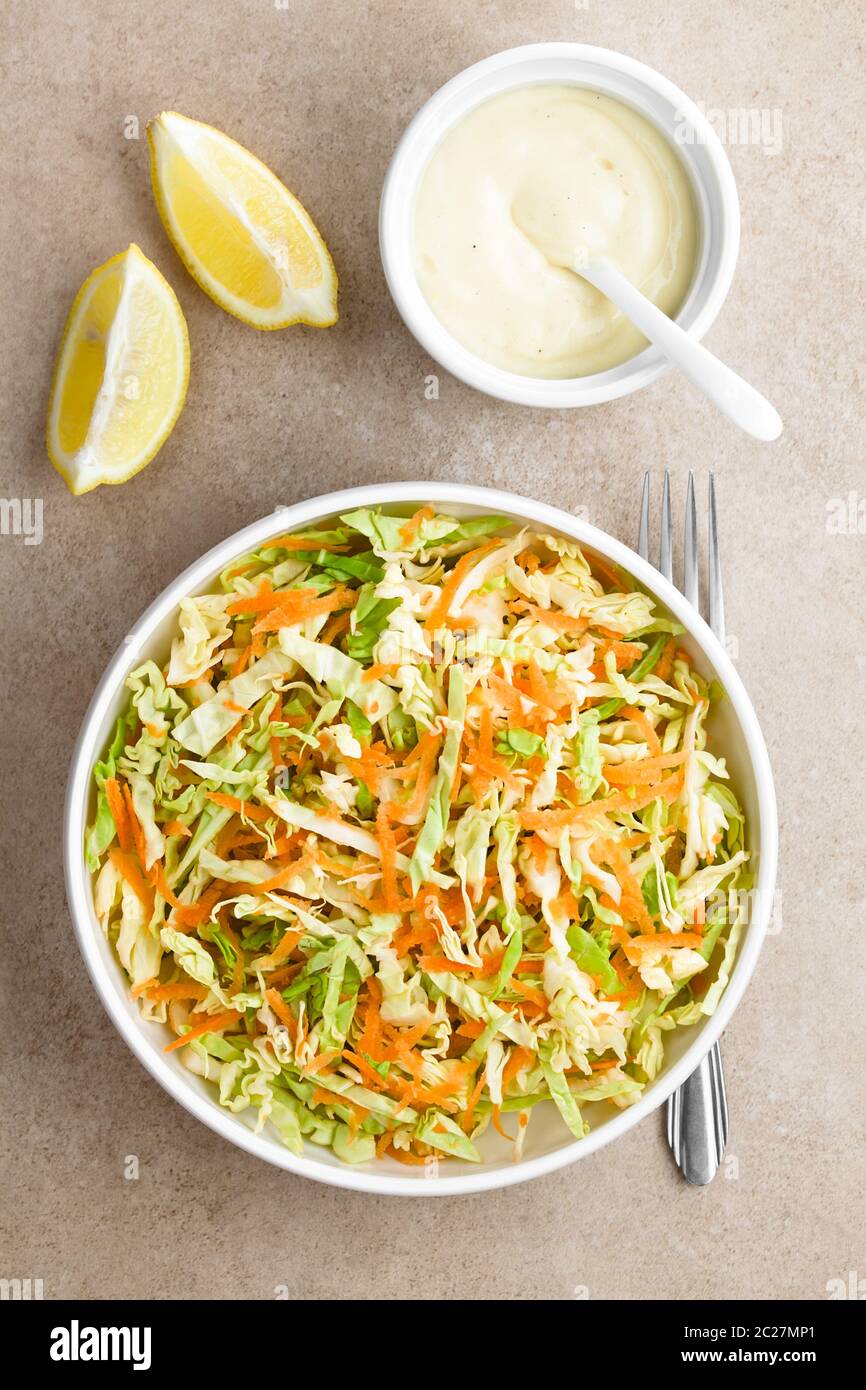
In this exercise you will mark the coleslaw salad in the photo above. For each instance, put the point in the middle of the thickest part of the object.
(459, 780)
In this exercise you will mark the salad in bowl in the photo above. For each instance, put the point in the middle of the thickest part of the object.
(417, 832)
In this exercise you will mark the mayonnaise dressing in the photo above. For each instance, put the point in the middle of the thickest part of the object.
(522, 186)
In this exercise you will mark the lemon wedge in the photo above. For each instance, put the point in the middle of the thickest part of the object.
(121, 375)
(241, 234)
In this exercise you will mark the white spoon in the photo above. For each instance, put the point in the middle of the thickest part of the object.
(733, 396)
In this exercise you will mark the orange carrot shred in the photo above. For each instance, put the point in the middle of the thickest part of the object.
(410, 528)
(520, 1056)
(474, 1098)
(142, 987)
(283, 949)
(664, 665)
(535, 996)
(282, 876)
(496, 1116)
(212, 1023)
(667, 790)
(442, 963)
(117, 807)
(242, 661)
(243, 808)
(320, 1062)
(183, 989)
(388, 846)
(282, 1010)
(129, 869)
(471, 1028)
(441, 609)
(641, 772)
(176, 827)
(639, 719)
(306, 543)
(408, 811)
(156, 874)
(135, 827)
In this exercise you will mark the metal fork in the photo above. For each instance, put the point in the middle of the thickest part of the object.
(697, 1114)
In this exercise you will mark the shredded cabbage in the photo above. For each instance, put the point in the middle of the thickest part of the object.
(417, 829)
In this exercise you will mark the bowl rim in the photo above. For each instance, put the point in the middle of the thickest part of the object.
(572, 392)
(89, 746)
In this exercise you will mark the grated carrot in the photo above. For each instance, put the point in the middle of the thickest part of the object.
(283, 949)
(407, 812)
(280, 877)
(117, 807)
(194, 914)
(667, 790)
(507, 694)
(183, 989)
(606, 574)
(291, 610)
(632, 906)
(322, 1096)
(518, 1059)
(664, 665)
(367, 1070)
(243, 808)
(451, 967)
(334, 628)
(242, 660)
(376, 672)
(530, 993)
(668, 940)
(129, 870)
(320, 1062)
(156, 874)
(560, 622)
(410, 529)
(142, 987)
(473, 1100)
(176, 827)
(388, 847)
(404, 1156)
(642, 772)
(530, 967)
(135, 826)
(306, 543)
(528, 560)
(285, 975)
(212, 1023)
(282, 1010)
(639, 719)
(259, 602)
(441, 610)
(496, 1116)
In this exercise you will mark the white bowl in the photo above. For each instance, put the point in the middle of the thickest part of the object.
(601, 70)
(549, 1146)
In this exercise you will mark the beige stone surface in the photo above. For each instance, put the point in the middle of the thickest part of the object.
(321, 89)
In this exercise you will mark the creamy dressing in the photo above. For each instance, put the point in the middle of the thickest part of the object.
(524, 185)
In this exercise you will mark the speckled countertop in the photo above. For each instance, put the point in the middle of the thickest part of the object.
(321, 89)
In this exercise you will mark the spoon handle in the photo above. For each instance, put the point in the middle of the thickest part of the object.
(733, 396)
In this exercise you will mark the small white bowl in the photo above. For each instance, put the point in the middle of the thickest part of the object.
(631, 82)
(734, 732)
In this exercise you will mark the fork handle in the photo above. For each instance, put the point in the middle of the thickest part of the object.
(698, 1121)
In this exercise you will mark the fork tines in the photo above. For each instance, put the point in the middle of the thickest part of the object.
(691, 547)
